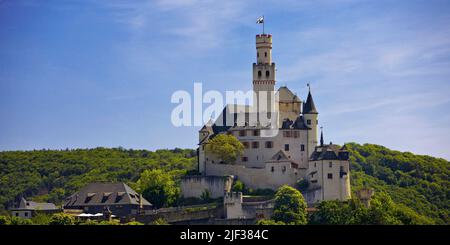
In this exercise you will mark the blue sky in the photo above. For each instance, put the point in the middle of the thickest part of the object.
(79, 74)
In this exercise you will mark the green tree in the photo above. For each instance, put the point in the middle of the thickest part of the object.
(160, 221)
(19, 221)
(226, 147)
(40, 218)
(269, 222)
(290, 206)
(238, 186)
(158, 187)
(134, 223)
(62, 219)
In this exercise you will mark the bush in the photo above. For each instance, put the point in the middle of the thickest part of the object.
(62, 219)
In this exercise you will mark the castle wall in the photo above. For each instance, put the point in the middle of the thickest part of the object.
(194, 186)
(259, 178)
(325, 174)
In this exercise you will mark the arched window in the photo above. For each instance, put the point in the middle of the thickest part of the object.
(259, 73)
(267, 73)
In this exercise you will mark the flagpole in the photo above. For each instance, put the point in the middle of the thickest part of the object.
(263, 23)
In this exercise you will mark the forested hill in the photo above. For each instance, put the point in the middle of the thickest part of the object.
(418, 182)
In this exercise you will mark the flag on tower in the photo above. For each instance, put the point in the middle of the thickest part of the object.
(260, 20)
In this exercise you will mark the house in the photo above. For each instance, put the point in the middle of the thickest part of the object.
(27, 209)
(118, 198)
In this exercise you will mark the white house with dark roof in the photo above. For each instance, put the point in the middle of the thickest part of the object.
(119, 198)
(281, 150)
(27, 209)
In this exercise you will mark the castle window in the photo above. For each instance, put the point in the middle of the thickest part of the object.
(287, 134)
(255, 144)
(330, 176)
(259, 74)
(257, 54)
(315, 165)
(308, 122)
(296, 134)
(267, 73)
(246, 145)
(330, 164)
(302, 148)
(269, 144)
(244, 159)
(286, 147)
(256, 132)
(242, 133)
(265, 54)
(272, 169)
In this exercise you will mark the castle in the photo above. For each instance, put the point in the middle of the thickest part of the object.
(282, 149)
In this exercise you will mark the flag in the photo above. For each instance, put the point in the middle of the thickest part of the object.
(260, 20)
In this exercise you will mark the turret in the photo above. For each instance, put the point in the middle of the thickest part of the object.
(311, 117)
(263, 72)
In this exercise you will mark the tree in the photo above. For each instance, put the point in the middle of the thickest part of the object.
(290, 206)
(269, 222)
(226, 147)
(62, 219)
(158, 187)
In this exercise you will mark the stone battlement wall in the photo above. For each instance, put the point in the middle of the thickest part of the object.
(194, 186)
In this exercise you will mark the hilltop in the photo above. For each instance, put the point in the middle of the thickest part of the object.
(419, 183)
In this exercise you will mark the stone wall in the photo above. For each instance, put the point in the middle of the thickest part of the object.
(259, 178)
(194, 186)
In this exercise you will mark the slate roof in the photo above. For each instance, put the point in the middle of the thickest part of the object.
(30, 205)
(105, 194)
(329, 152)
(309, 107)
(299, 123)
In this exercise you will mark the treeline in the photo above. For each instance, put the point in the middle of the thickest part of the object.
(418, 185)
(52, 175)
(417, 182)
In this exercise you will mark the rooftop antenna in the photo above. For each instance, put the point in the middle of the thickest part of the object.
(309, 87)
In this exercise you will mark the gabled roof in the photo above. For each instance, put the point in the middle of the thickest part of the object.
(298, 124)
(30, 205)
(309, 107)
(329, 152)
(105, 194)
(286, 95)
(280, 156)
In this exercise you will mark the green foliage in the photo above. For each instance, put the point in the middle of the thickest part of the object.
(40, 218)
(134, 223)
(302, 184)
(269, 222)
(290, 206)
(19, 221)
(226, 147)
(160, 221)
(206, 196)
(238, 186)
(4, 220)
(159, 187)
(52, 175)
(414, 181)
(382, 211)
(62, 219)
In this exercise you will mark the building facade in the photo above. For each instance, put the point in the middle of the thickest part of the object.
(281, 149)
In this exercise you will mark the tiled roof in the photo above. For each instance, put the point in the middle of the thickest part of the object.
(105, 194)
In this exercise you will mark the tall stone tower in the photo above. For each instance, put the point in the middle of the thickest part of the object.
(263, 74)
(311, 117)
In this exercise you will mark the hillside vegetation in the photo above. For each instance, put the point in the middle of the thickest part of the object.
(416, 183)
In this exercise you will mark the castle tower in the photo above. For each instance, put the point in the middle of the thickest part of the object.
(311, 117)
(263, 73)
